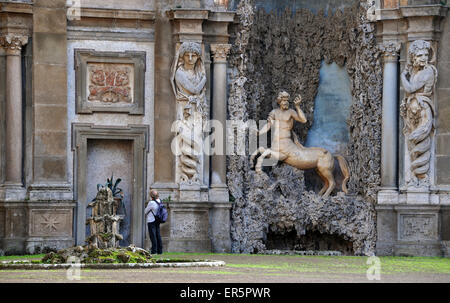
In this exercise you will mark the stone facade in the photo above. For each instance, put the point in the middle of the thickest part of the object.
(80, 86)
(92, 83)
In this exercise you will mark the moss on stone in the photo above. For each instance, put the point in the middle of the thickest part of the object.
(92, 255)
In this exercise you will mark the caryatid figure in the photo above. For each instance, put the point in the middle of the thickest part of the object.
(189, 86)
(418, 79)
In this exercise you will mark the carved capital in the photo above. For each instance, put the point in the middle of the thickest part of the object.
(220, 52)
(13, 43)
(390, 50)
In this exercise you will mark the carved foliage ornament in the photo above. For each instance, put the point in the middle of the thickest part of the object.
(220, 52)
(418, 79)
(390, 49)
(13, 42)
(110, 83)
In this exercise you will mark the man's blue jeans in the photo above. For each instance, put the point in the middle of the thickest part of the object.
(155, 237)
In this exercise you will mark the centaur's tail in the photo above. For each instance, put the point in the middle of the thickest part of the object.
(345, 172)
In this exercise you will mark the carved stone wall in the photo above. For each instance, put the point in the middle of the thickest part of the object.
(285, 51)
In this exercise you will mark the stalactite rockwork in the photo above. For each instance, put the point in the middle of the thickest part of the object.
(274, 52)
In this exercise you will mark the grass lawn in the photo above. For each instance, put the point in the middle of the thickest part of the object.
(324, 264)
(257, 268)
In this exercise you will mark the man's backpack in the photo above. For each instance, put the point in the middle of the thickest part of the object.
(161, 214)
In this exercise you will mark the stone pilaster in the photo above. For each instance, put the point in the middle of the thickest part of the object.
(49, 177)
(409, 219)
(13, 185)
(389, 140)
(218, 186)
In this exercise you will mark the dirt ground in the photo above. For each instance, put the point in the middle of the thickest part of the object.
(257, 269)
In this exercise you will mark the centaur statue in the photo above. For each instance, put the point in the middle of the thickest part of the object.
(283, 148)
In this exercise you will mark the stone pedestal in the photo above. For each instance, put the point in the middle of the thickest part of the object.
(407, 230)
(410, 216)
(189, 227)
(197, 227)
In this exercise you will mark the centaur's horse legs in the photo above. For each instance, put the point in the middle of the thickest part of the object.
(325, 171)
(264, 154)
(325, 167)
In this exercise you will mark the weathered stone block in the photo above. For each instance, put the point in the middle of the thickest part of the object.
(50, 3)
(2, 223)
(443, 171)
(49, 117)
(423, 2)
(443, 123)
(416, 249)
(445, 223)
(390, 3)
(49, 48)
(48, 143)
(189, 227)
(443, 144)
(164, 165)
(49, 168)
(444, 73)
(14, 219)
(47, 20)
(220, 227)
(418, 227)
(50, 78)
(163, 134)
(50, 223)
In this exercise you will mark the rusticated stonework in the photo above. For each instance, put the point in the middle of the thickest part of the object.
(110, 83)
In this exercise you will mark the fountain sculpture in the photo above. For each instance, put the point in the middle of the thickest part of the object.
(104, 222)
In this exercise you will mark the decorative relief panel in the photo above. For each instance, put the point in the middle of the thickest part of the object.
(418, 227)
(51, 223)
(190, 225)
(109, 81)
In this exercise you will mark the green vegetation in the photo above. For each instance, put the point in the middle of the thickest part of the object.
(267, 264)
(95, 256)
(331, 264)
(26, 257)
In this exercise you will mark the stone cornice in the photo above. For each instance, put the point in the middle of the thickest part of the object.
(16, 7)
(116, 14)
(183, 13)
(437, 10)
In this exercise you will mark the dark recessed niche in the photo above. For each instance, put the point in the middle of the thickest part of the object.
(312, 240)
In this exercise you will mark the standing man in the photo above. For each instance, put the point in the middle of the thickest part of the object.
(153, 225)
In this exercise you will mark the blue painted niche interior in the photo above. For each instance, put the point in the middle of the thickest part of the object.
(331, 110)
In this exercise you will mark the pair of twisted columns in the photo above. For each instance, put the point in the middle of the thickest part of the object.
(12, 45)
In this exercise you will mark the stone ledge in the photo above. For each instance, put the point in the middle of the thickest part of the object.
(16, 7)
(117, 14)
(5, 265)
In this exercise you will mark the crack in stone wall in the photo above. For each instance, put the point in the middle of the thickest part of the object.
(273, 52)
